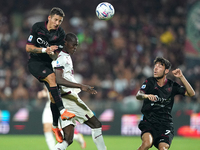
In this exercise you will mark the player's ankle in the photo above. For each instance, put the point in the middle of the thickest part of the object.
(62, 111)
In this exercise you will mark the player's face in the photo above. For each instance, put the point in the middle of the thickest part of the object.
(71, 46)
(159, 70)
(54, 22)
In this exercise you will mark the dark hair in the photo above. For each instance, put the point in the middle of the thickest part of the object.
(56, 11)
(163, 61)
(70, 37)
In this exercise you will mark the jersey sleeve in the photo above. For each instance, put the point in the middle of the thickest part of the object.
(61, 40)
(59, 63)
(178, 89)
(145, 86)
(33, 36)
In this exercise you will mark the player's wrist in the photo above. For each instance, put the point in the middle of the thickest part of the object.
(145, 96)
(44, 50)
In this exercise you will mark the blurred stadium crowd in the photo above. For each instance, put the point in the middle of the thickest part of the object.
(114, 56)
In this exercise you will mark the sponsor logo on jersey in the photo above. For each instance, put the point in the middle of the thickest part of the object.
(30, 38)
(42, 42)
(143, 87)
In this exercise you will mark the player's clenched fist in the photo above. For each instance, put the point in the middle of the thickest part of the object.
(177, 73)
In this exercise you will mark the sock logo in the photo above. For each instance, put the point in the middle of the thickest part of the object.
(98, 136)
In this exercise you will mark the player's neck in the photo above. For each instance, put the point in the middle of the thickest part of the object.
(48, 27)
(161, 82)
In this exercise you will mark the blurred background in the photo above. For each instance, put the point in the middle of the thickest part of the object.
(114, 56)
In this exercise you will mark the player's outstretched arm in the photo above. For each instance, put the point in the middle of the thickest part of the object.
(62, 81)
(189, 90)
(34, 49)
(141, 96)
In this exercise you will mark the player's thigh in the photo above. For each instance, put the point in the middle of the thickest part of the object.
(75, 105)
(68, 133)
(147, 139)
(163, 146)
(39, 69)
(164, 135)
(93, 122)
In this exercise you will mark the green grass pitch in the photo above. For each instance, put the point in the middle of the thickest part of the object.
(37, 142)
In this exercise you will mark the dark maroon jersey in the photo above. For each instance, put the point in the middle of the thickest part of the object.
(41, 37)
(160, 110)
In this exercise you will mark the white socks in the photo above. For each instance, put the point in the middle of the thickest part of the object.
(50, 140)
(98, 138)
(76, 137)
(62, 111)
(61, 146)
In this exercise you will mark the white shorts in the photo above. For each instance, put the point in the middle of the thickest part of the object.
(47, 115)
(74, 104)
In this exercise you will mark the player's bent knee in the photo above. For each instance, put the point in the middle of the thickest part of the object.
(163, 146)
(146, 144)
(51, 80)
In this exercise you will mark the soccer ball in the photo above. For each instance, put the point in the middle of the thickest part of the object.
(105, 11)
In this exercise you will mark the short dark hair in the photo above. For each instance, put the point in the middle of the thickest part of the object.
(70, 37)
(56, 11)
(163, 61)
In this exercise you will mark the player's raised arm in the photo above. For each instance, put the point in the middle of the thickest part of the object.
(189, 90)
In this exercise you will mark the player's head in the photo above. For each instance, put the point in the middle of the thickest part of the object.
(161, 67)
(71, 43)
(55, 18)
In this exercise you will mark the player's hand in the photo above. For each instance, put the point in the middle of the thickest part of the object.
(177, 73)
(152, 97)
(50, 50)
(88, 89)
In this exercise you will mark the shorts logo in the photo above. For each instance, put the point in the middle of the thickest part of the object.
(30, 38)
(44, 71)
(143, 87)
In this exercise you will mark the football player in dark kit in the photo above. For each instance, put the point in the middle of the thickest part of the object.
(44, 39)
(158, 94)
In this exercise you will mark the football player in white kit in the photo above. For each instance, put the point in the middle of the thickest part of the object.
(47, 123)
(63, 68)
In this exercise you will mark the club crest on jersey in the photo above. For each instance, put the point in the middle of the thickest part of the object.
(30, 38)
(55, 37)
(169, 89)
(143, 87)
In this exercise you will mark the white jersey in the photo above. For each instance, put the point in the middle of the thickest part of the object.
(71, 101)
(64, 62)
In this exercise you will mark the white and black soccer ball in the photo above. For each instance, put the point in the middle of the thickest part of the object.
(105, 11)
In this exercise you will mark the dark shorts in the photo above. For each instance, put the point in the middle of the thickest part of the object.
(160, 133)
(39, 69)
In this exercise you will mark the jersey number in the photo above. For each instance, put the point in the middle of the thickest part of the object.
(167, 132)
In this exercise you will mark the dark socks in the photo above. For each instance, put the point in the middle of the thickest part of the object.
(57, 97)
(55, 113)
